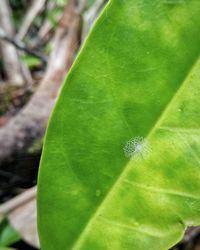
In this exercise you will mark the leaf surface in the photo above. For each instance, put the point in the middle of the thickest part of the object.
(8, 235)
(136, 80)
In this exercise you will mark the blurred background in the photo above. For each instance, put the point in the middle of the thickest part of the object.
(39, 40)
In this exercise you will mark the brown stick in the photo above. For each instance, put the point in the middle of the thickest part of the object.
(21, 46)
(22, 214)
(34, 10)
(19, 200)
(15, 70)
(46, 30)
(31, 122)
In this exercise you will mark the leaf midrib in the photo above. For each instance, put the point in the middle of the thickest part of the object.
(126, 168)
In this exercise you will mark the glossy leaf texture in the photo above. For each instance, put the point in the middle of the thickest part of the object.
(136, 80)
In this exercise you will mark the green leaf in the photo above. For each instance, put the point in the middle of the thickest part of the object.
(7, 248)
(53, 15)
(31, 61)
(8, 235)
(135, 86)
(90, 3)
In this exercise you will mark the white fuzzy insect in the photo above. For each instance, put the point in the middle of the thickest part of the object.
(137, 146)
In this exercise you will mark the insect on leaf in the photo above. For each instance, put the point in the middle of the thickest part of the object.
(121, 161)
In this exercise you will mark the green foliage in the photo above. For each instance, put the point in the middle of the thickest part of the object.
(136, 80)
(55, 13)
(6, 248)
(8, 235)
(90, 2)
(35, 148)
(31, 61)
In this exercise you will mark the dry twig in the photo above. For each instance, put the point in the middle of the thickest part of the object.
(16, 72)
(30, 124)
(35, 8)
(21, 46)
